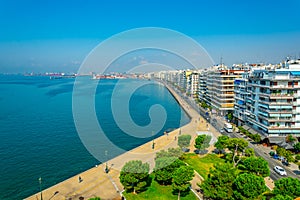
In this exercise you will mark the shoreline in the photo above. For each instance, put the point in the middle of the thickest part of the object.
(95, 182)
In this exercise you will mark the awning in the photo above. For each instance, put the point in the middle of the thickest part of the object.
(295, 73)
(286, 145)
(246, 127)
(253, 131)
(240, 102)
(276, 140)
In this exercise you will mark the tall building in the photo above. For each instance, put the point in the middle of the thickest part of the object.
(220, 90)
(193, 84)
(202, 94)
(273, 104)
(240, 97)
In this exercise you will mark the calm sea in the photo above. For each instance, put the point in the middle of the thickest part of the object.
(38, 135)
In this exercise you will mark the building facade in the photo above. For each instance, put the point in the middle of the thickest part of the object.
(220, 90)
(240, 98)
(273, 103)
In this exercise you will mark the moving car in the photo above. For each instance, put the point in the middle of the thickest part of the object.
(280, 170)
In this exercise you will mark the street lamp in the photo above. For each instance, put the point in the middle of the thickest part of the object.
(106, 167)
(152, 140)
(40, 182)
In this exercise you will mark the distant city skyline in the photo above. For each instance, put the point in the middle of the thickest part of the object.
(56, 36)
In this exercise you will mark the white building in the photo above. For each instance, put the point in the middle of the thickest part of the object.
(273, 104)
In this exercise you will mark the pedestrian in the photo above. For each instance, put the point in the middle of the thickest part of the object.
(79, 179)
(175, 138)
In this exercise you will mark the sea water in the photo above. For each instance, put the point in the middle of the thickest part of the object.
(38, 134)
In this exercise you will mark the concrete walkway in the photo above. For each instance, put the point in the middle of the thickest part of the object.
(95, 182)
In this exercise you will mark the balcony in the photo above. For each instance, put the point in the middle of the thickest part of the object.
(275, 103)
(227, 105)
(281, 96)
(295, 112)
(284, 127)
(280, 111)
(280, 119)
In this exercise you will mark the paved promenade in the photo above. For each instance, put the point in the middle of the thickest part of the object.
(95, 182)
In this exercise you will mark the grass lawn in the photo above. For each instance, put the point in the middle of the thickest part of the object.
(158, 192)
(202, 164)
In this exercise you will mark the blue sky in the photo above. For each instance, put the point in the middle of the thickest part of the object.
(57, 35)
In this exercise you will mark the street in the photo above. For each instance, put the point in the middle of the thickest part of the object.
(259, 151)
(218, 123)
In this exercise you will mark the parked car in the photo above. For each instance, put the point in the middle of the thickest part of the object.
(197, 151)
(280, 170)
(184, 149)
(200, 151)
(221, 130)
(285, 162)
(275, 156)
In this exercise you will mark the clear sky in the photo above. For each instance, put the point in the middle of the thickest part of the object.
(52, 35)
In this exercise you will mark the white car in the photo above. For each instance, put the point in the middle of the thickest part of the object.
(280, 170)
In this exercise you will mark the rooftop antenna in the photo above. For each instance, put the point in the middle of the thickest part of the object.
(221, 61)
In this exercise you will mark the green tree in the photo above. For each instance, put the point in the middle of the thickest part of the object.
(249, 152)
(184, 140)
(281, 197)
(230, 116)
(164, 169)
(222, 142)
(256, 137)
(257, 165)
(290, 138)
(297, 146)
(219, 183)
(181, 179)
(171, 152)
(289, 156)
(281, 151)
(199, 141)
(134, 176)
(206, 142)
(237, 146)
(287, 186)
(95, 198)
(248, 186)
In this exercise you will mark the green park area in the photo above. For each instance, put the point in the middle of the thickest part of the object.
(159, 192)
(202, 165)
(234, 172)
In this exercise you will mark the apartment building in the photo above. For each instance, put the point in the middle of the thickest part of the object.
(240, 97)
(193, 84)
(273, 103)
(202, 94)
(220, 89)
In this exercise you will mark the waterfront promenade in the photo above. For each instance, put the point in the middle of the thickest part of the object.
(95, 182)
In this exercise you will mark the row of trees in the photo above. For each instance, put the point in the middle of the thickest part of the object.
(201, 142)
(256, 137)
(169, 170)
(227, 182)
(242, 177)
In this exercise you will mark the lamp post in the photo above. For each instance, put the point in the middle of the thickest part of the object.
(106, 167)
(40, 182)
(152, 140)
